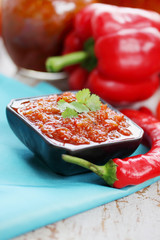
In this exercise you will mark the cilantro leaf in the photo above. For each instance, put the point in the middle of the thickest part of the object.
(79, 107)
(85, 102)
(83, 95)
(93, 103)
(62, 105)
(69, 113)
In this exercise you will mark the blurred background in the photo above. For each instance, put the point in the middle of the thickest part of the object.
(34, 30)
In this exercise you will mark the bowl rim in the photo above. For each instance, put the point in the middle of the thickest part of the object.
(71, 147)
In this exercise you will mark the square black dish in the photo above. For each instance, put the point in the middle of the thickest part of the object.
(50, 150)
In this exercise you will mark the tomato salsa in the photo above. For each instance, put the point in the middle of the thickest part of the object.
(91, 127)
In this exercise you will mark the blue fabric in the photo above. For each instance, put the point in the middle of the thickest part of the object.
(31, 195)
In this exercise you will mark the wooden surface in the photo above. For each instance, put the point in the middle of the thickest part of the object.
(136, 217)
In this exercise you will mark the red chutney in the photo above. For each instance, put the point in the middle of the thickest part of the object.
(100, 126)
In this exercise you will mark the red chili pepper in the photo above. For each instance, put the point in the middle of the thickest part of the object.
(123, 44)
(131, 170)
(158, 111)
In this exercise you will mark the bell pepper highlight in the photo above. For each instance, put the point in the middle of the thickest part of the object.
(134, 170)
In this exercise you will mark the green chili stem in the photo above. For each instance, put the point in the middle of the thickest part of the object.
(107, 171)
(55, 64)
(83, 163)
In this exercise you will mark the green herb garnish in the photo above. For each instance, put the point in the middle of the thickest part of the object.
(85, 102)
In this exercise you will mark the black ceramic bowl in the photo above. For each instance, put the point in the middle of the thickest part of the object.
(50, 150)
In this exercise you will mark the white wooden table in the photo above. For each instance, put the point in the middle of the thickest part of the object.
(136, 217)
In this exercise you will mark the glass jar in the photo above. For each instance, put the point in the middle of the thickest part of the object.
(33, 30)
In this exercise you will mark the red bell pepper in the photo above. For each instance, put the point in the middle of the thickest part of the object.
(134, 170)
(101, 19)
(146, 110)
(119, 93)
(130, 54)
(123, 44)
(158, 111)
(78, 78)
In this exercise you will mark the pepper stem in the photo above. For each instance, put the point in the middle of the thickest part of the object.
(55, 64)
(86, 58)
(107, 171)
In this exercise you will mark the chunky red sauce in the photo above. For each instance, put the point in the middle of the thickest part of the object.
(100, 126)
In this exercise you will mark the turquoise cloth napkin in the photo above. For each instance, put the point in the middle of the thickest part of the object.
(31, 195)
